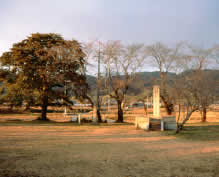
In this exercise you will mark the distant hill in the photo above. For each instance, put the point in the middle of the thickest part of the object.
(155, 74)
(141, 81)
(145, 80)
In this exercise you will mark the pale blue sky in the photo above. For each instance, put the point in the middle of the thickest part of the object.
(147, 21)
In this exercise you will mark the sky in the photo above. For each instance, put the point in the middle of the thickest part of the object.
(131, 21)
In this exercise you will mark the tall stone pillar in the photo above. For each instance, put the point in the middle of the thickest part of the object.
(156, 101)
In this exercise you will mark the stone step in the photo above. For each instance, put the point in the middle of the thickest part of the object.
(155, 126)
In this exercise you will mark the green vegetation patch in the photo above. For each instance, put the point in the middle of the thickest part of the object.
(199, 132)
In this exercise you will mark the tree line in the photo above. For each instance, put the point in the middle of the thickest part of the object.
(35, 69)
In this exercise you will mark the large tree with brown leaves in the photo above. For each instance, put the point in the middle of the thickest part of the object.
(44, 61)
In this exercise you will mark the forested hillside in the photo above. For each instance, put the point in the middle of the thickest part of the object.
(145, 80)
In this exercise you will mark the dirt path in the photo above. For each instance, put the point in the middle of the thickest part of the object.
(111, 151)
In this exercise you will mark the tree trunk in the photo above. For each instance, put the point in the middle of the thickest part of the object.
(180, 126)
(167, 104)
(204, 114)
(120, 111)
(99, 118)
(44, 107)
(145, 109)
(165, 96)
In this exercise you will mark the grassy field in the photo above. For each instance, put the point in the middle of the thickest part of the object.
(65, 149)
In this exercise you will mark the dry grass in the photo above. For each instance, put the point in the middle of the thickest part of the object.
(200, 132)
(56, 114)
(64, 149)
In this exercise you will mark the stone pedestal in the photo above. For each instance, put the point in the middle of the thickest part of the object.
(169, 123)
(142, 123)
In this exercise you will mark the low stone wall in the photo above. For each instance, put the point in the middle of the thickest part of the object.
(142, 123)
(165, 123)
(169, 123)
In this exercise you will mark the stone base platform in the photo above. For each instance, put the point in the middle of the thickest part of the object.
(151, 123)
(142, 123)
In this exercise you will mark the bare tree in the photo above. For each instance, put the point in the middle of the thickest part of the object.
(194, 88)
(164, 59)
(93, 55)
(201, 61)
(192, 94)
(122, 62)
(187, 100)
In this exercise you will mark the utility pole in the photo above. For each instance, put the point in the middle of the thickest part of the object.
(108, 72)
(98, 79)
(147, 105)
(98, 87)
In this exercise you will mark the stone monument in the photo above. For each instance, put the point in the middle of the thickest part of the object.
(156, 101)
(156, 122)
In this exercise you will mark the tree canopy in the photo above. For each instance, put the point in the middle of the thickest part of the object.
(42, 62)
